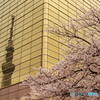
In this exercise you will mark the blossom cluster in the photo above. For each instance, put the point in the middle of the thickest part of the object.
(79, 71)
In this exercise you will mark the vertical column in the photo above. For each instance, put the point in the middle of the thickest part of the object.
(45, 34)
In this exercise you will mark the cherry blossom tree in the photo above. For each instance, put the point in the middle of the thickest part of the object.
(79, 71)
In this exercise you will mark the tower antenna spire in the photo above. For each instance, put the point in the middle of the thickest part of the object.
(11, 29)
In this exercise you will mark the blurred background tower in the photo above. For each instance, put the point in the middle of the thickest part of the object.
(8, 67)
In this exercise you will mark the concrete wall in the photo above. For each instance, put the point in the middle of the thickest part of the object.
(13, 92)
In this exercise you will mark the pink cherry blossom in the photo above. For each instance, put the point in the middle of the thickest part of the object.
(79, 71)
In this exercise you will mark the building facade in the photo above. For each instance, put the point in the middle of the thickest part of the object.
(33, 46)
